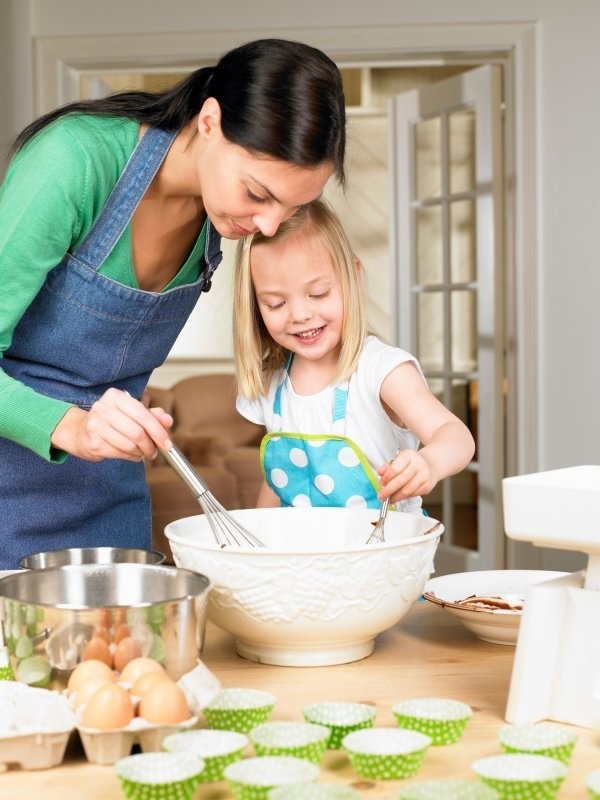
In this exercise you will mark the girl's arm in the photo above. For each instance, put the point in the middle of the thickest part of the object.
(448, 445)
(267, 497)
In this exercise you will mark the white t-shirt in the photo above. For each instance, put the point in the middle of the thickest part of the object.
(367, 424)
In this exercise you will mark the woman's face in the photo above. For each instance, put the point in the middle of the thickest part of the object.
(244, 192)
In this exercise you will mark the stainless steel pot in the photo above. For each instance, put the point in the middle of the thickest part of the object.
(90, 555)
(50, 615)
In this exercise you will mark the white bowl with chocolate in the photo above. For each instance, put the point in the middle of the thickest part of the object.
(488, 602)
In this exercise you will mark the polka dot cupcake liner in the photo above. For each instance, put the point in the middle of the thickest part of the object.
(159, 776)
(521, 776)
(443, 720)
(593, 784)
(448, 790)
(314, 791)
(216, 748)
(386, 753)
(341, 718)
(538, 739)
(254, 778)
(299, 739)
(239, 709)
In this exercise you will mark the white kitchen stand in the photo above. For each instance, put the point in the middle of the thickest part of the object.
(556, 672)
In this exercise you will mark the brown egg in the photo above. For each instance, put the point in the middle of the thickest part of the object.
(109, 707)
(88, 671)
(126, 651)
(102, 633)
(121, 632)
(89, 688)
(98, 650)
(164, 703)
(146, 681)
(138, 667)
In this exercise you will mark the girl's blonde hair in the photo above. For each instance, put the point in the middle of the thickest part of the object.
(257, 356)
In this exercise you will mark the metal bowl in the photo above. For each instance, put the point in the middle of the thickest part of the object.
(49, 616)
(90, 555)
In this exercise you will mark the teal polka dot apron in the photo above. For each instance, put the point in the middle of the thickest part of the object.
(305, 469)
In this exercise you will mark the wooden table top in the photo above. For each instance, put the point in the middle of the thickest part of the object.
(428, 654)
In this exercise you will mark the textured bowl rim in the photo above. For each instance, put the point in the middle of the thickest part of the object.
(259, 552)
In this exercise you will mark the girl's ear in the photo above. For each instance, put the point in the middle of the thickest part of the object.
(358, 265)
(209, 117)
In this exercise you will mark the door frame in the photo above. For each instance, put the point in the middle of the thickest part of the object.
(59, 62)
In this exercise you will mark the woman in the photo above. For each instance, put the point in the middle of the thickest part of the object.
(111, 215)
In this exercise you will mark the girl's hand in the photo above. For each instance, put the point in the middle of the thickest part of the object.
(116, 426)
(409, 474)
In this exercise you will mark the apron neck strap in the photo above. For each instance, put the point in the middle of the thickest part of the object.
(340, 400)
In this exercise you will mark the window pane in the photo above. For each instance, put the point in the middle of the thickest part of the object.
(463, 305)
(430, 327)
(461, 133)
(429, 244)
(428, 158)
(463, 264)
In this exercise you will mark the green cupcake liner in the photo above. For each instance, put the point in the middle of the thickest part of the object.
(159, 776)
(299, 739)
(239, 709)
(521, 776)
(448, 790)
(254, 778)
(386, 753)
(443, 720)
(593, 784)
(216, 748)
(314, 791)
(341, 718)
(538, 739)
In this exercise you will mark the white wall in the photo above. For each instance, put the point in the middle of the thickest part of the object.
(569, 155)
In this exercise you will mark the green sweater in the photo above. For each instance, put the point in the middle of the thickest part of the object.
(53, 192)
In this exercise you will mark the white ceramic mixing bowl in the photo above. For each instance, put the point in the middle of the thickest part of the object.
(317, 594)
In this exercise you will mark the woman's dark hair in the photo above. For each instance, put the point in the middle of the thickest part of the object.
(281, 98)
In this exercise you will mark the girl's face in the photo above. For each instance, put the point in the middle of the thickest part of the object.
(299, 295)
(244, 192)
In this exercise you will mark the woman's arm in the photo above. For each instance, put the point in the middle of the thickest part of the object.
(448, 445)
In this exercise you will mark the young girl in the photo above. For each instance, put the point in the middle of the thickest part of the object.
(344, 412)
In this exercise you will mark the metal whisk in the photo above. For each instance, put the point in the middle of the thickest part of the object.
(377, 534)
(226, 530)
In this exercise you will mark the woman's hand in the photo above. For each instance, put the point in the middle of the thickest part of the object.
(116, 426)
(409, 474)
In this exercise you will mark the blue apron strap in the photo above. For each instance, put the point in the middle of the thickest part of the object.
(338, 416)
(277, 398)
(139, 171)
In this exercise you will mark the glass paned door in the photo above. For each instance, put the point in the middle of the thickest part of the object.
(447, 287)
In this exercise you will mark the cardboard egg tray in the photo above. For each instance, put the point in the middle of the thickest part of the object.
(108, 746)
(34, 750)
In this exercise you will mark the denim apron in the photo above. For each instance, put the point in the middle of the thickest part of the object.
(82, 334)
(306, 469)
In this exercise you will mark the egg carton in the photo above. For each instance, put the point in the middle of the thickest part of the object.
(108, 746)
(34, 750)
